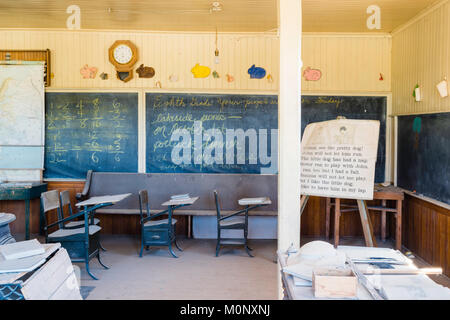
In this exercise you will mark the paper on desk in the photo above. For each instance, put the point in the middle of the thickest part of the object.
(21, 249)
(21, 265)
(253, 200)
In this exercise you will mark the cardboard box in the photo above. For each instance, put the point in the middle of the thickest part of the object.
(334, 283)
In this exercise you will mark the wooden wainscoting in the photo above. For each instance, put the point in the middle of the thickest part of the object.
(426, 232)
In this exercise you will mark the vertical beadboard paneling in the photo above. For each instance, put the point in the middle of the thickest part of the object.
(420, 55)
(348, 63)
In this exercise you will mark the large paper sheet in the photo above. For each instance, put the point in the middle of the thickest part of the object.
(338, 159)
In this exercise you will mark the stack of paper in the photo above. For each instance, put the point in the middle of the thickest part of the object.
(180, 197)
(21, 249)
(253, 200)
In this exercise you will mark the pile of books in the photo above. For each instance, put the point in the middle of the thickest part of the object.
(21, 256)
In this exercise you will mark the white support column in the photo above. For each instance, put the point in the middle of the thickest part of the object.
(289, 122)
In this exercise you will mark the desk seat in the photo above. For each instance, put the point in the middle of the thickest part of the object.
(152, 223)
(75, 234)
(80, 223)
(232, 222)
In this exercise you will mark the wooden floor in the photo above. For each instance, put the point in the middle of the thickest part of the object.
(197, 274)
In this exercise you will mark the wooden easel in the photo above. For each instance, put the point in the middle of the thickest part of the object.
(363, 213)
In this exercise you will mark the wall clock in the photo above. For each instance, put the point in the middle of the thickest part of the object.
(123, 54)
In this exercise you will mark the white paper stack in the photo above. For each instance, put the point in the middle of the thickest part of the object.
(247, 201)
(23, 249)
(180, 197)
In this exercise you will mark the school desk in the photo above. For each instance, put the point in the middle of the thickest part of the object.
(5, 233)
(23, 191)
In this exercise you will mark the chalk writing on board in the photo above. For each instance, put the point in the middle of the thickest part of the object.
(204, 121)
(90, 131)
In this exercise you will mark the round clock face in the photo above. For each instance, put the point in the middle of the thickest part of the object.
(123, 54)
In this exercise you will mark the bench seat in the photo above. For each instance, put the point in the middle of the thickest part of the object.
(182, 212)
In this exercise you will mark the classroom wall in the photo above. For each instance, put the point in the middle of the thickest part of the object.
(421, 55)
(349, 63)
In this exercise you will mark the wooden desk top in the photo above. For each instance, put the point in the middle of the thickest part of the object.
(103, 199)
(388, 193)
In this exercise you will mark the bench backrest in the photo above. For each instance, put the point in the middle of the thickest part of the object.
(231, 187)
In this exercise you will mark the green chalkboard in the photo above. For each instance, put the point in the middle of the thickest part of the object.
(97, 131)
(423, 155)
(256, 116)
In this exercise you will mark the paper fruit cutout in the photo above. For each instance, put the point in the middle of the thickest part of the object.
(158, 84)
(200, 71)
(443, 88)
(230, 78)
(145, 72)
(103, 76)
(381, 77)
(270, 78)
(256, 72)
(88, 72)
(215, 74)
(312, 74)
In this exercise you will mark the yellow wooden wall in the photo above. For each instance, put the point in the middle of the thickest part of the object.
(421, 55)
(350, 63)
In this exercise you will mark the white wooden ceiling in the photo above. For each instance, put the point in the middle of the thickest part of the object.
(195, 15)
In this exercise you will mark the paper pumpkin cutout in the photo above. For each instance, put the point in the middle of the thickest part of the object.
(88, 72)
(145, 72)
(256, 72)
(200, 71)
(312, 74)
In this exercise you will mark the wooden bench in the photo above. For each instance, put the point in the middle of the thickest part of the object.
(161, 186)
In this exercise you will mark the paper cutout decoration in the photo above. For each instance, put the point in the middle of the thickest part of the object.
(417, 93)
(256, 72)
(443, 88)
(103, 76)
(145, 72)
(270, 78)
(88, 72)
(230, 78)
(200, 71)
(215, 74)
(312, 74)
(158, 84)
(173, 78)
(381, 77)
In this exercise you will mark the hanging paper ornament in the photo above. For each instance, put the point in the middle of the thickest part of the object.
(200, 71)
(443, 88)
(417, 93)
(256, 72)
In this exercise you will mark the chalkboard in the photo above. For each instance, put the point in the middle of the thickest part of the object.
(324, 108)
(423, 155)
(166, 113)
(97, 131)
